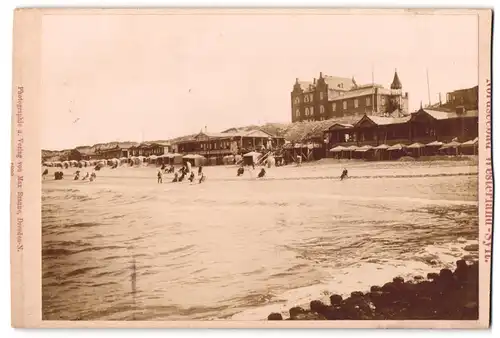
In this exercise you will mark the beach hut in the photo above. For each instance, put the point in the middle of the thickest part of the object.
(381, 152)
(382, 147)
(173, 158)
(162, 159)
(73, 163)
(349, 151)
(123, 160)
(152, 159)
(396, 150)
(229, 159)
(363, 152)
(212, 160)
(450, 148)
(363, 149)
(135, 160)
(432, 148)
(195, 160)
(416, 148)
(251, 158)
(396, 147)
(142, 159)
(434, 144)
(470, 147)
(337, 151)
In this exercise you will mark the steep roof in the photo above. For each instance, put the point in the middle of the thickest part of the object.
(396, 83)
(302, 131)
(233, 132)
(357, 92)
(339, 83)
(459, 91)
(383, 121)
(304, 85)
(126, 144)
(85, 150)
(443, 115)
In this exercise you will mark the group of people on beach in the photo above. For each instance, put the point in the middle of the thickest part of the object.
(181, 174)
(90, 177)
(241, 171)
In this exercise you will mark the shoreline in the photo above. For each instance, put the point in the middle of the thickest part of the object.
(320, 170)
(447, 295)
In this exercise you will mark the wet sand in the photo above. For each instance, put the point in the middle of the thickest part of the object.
(242, 247)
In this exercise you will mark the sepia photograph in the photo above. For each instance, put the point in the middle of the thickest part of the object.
(261, 166)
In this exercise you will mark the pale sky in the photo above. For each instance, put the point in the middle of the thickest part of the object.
(118, 77)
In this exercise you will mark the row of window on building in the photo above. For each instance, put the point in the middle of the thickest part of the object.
(309, 98)
(217, 145)
(353, 137)
(309, 111)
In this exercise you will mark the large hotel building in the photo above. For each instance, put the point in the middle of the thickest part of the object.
(331, 96)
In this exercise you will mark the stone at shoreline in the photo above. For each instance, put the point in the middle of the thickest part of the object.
(295, 311)
(432, 276)
(398, 280)
(461, 270)
(357, 294)
(335, 299)
(275, 316)
(447, 295)
(471, 247)
(317, 306)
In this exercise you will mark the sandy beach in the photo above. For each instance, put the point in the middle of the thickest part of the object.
(244, 252)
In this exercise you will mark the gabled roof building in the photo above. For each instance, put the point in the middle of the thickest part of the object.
(336, 97)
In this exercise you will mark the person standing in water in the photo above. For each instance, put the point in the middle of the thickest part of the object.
(200, 170)
(344, 174)
(176, 177)
(160, 176)
(203, 178)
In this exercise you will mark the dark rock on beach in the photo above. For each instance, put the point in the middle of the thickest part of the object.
(335, 300)
(275, 316)
(447, 295)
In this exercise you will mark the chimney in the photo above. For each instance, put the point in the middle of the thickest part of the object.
(314, 81)
(320, 75)
(460, 110)
(297, 80)
(440, 103)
